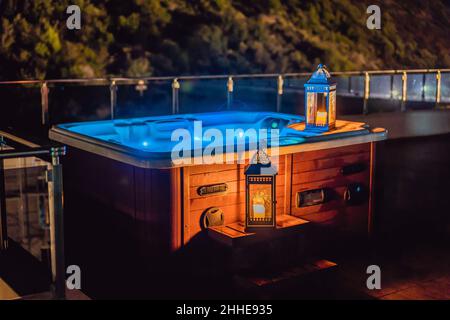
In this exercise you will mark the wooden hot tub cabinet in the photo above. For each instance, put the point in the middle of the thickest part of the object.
(163, 209)
(297, 172)
(137, 215)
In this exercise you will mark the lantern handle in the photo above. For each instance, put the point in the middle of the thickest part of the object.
(259, 155)
(324, 68)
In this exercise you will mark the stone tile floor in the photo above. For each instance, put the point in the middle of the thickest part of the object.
(420, 273)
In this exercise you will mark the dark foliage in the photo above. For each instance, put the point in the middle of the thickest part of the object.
(171, 37)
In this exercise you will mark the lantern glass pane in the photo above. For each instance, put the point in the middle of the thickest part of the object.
(317, 108)
(260, 203)
(311, 107)
(321, 115)
(332, 108)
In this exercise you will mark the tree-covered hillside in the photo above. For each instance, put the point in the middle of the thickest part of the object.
(172, 37)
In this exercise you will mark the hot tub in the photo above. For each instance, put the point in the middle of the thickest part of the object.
(146, 142)
(123, 192)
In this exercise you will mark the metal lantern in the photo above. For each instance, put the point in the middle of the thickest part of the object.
(320, 101)
(260, 199)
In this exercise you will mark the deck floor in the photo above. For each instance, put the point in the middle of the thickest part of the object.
(416, 273)
(23, 277)
(420, 273)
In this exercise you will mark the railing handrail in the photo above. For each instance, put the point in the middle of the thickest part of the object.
(133, 80)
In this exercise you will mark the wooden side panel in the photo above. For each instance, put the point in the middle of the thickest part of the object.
(288, 184)
(331, 153)
(186, 211)
(297, 172)
(328, 163)
(163, 219)
(232, 202)
(322, 169)
(142, 203)
(110, 182)
(176, 219)
(372, 189)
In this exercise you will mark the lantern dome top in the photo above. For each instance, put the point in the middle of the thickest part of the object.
(261, 169)
(260, 164)
(321, 76)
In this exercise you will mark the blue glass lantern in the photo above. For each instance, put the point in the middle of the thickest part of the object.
(320, 101)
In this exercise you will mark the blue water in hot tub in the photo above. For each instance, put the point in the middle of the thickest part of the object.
(153, 134)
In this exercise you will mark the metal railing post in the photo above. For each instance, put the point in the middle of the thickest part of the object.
(349, 85)
(44, 103)
(230, 88)
(175, 96)
(55, 191)
(424, 79)
(404, 90)
(113, 98)
(438, 87)
(366, 93)
(392, 86)
(280, 83)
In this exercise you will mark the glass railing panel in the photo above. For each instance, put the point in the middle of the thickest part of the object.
(445, 87)
(27, 205)
(20, 107)
(415, 86)
(78, 102)
(343, 85)
(380, 86)
(202, 95)
(150, 98)
(293, 99)
(357, 86)
(397, 86)
(255, 94)
(430, 87)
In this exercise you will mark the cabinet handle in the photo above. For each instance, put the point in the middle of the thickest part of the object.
(353, 168)
(355, 194)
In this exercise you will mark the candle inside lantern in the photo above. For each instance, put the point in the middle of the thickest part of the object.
(259, 211)
(321, 118)
(259, 208)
